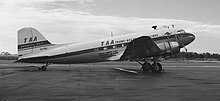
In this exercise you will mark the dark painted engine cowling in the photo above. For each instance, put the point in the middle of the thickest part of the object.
(169, 47)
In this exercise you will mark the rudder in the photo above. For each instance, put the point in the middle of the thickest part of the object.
(30, 40)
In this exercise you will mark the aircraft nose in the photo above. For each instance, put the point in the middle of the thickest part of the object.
(189, 37)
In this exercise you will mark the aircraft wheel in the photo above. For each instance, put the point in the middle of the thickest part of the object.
(146, 66)
(44, 68)
(157, 68)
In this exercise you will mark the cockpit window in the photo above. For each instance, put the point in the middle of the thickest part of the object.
(180, 31)
(167, 34)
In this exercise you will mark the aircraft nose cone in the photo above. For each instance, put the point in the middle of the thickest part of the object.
(189, 38)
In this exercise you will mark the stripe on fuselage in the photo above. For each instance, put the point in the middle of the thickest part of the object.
(33, 45)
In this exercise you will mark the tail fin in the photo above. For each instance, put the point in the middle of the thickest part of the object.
(30, 41)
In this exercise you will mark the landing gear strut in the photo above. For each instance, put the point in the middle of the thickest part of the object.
(44, 67)
(155, 67)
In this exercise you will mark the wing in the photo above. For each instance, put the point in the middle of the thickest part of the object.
(142, 47)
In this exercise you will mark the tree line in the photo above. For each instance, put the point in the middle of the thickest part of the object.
(8, 56)
(198, 56)
(183, 55)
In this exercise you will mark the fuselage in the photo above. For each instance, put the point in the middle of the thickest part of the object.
(106, 49)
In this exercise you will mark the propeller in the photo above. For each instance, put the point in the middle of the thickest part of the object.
(180, 56)
(186, 52)
(185, 49)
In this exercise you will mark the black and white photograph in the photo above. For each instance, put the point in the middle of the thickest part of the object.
(109, 50)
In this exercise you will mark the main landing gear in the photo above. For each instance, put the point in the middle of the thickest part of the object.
(44, 67)
(154, 68)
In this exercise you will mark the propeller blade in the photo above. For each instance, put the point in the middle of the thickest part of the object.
(186, 53)
(185, 49)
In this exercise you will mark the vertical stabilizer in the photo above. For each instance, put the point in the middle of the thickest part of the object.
(30, 41)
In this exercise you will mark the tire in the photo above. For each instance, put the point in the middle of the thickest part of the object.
(146, 66)
(157, 69)
(44, 68)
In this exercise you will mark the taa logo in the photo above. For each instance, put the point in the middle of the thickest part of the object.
(107, 43)
(31, 39)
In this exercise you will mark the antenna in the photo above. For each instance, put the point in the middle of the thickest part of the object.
(111, 34)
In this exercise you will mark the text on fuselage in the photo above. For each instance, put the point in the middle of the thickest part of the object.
(112, 42)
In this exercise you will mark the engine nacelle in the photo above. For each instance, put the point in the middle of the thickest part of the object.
(169, 47)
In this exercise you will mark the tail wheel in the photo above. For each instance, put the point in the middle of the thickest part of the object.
(157, 67)
(43, 68)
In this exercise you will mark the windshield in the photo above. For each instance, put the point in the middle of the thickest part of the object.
(180, 31)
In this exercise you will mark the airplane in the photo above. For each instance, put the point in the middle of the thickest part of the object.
(153, 44)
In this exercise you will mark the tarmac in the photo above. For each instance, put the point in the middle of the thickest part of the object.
(197, 81)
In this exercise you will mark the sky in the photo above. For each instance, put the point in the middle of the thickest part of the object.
(67, 21)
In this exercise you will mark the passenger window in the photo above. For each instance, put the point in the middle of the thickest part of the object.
(100, 49)
(109, 47)
(105, 48)
(96, 49)
(119, 45)
(125, 44)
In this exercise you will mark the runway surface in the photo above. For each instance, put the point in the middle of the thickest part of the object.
(102, 82)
